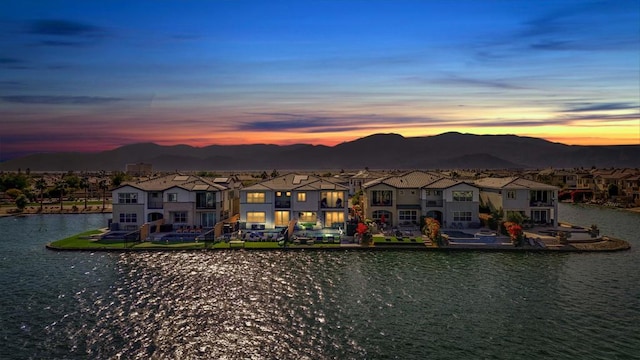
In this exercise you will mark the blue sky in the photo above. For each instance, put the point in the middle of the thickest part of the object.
(94, 75)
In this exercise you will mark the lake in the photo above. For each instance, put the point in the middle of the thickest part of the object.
(316, 305)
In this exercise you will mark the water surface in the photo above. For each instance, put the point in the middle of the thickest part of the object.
(316, 305)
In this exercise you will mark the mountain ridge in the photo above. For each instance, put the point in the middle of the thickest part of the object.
(376, 151)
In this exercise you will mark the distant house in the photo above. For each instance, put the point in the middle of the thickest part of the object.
(177, 200)
(536, 201)
(139, 169)
(311, 201)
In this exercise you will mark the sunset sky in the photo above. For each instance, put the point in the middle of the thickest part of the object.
(95, 75)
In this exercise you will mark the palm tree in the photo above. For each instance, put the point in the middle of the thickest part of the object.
(60, 186)
(41, 184)
(104, 186)
(84, 184)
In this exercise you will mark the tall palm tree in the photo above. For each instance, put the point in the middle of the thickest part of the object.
(41, 184)
(61, 185)
(84, 184)
(104, 185)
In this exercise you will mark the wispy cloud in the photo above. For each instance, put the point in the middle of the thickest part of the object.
(65, 33)
(59, 100)
(466, 81)
(64, 28)
(584, 107)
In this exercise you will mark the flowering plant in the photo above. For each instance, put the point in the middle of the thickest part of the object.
(432, 229)
(364, 232)
(515, 232)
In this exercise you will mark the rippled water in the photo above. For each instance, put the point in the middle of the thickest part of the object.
(315, 305)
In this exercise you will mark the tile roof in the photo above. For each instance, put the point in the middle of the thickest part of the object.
(413, 180)
(512, 183)
(297, 182)
(187, 182)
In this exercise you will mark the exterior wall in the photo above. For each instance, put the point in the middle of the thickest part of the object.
(451, 206)
(491, 198)
(369, 208)
(137, 208)
(408, 196)
(312, 203)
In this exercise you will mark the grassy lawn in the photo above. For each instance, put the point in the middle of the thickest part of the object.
(82, 241)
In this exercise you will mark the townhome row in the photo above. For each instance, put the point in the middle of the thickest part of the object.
(404, 199)
(313, 202)
(177, 200)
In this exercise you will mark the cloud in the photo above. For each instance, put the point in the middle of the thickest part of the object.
(490, 83)
(584, 107)
(65, 33)
(64, 28)
(59, 100)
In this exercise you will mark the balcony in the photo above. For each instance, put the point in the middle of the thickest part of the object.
(435, 203)
(541, 204)
(155, 205)
(283, 204)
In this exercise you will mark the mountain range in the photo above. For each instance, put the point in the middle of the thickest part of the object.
(450, 150)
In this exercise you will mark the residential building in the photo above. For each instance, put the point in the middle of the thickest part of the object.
(311, 201)
(454, 203)
(534, 200)
(178, 200)
(139, 169)
(396, 199)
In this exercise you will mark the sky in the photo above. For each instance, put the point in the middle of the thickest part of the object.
(96, 75)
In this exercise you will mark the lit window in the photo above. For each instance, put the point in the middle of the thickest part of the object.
(332, 218)
(302, 196)
(256, 216)
(256, 197)
(281, 218)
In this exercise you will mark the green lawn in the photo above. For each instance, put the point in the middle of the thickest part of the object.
(82, 241)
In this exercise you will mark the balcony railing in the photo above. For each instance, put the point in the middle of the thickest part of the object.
(541, 203)
(155, 205)
(435, 203)
(282, 204)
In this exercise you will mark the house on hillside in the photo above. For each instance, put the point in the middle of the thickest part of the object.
(178, 200)
(311, 201)
(534, 200)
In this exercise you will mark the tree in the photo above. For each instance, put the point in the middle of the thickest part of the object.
(431, 228)
(84, 184)
(61, 185)
(274, 173)
(613, 190)
(515, 232)
(21, 202)
(104, 185)
(41, 184)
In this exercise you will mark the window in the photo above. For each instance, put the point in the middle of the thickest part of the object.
(256, 197)
(127, 198)
(307, 217)
(172, 197)
(331, 199)
(381, 198)
(205, 200)
(179, 216)
(256, 216)
(511, 194)
(462, 195)
(281, 218)
(333, 218)
(128, 218)
(462, 216)
(283, 199)
(302, 196)
(408, 216)
(207, 219)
